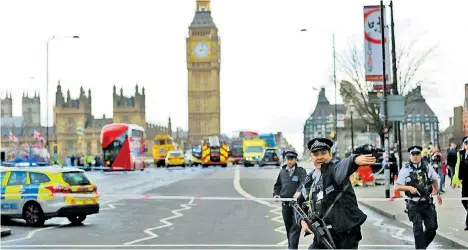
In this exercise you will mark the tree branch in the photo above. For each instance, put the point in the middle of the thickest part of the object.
(354, 89)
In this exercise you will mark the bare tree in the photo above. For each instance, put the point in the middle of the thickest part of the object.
(355, 89)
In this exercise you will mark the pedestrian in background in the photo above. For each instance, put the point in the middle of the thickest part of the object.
(436, 163)
(451, 160)
(461, 176)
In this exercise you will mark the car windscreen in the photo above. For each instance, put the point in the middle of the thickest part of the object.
(253, 149)
(75, 178)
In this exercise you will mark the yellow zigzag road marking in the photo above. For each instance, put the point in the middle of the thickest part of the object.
(164, 221)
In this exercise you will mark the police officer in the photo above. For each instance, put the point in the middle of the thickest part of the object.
(287, 185)
(327, 192)
(461, 175)
(418, 180)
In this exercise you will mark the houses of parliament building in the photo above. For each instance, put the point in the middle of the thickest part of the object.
(70, 114)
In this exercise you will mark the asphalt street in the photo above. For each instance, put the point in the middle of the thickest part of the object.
(188, 223)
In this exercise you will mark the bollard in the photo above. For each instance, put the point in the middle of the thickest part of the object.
(387, 180)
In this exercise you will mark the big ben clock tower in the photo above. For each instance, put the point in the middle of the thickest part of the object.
(203, 65)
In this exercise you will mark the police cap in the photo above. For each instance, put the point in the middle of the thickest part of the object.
(415, 149)
(290, 154)
(465, 139)
(319, 143)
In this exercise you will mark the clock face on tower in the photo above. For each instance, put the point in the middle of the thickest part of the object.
(201, 50)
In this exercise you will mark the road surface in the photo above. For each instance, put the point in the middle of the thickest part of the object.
(188, 223)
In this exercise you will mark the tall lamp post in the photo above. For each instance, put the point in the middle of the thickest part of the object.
(351, 111)
(47, 82)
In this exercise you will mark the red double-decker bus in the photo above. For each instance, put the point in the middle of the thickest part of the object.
(124, 146)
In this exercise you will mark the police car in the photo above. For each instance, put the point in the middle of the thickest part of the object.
(36, 194)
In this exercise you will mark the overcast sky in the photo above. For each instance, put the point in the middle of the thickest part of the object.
(268, 69)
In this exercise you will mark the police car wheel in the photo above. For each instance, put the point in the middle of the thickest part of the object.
(33, 215)
(76, 219)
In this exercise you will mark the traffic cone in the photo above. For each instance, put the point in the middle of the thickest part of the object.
(396, 193)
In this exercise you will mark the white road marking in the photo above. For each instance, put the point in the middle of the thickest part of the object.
(197, 245)
(191, 201)
(276, 210)
(164, 221)
(63, 222)
(397, 232)
(33, 232)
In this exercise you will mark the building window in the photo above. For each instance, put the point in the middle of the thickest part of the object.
(88, 147)
(71, 147)
(71, 123)
(427, 126)
(418, 118)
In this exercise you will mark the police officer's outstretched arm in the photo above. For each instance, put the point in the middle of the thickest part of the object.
(346, 167)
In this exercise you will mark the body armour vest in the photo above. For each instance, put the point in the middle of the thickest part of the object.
(314, 194)
(420, 179)
(320, 195)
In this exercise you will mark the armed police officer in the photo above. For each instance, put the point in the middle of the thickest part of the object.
(418, 179)
(287, 185)
(328, 196)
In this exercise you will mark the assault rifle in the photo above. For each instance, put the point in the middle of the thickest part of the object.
(317, 226)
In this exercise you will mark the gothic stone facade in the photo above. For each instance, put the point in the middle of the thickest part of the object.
(203, 65)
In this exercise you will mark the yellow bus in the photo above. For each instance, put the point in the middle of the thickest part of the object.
(161, 146)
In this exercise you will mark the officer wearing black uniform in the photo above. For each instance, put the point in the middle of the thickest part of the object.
(418, 180)
(328, 194)
(287, 185)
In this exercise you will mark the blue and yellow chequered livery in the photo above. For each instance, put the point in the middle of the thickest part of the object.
(36, 194)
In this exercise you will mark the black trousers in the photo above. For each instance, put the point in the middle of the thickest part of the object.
(464, 194)
(292, 229)
(346, 240)
(420, 213)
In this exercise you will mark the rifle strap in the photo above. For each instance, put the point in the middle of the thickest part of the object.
(336, 199)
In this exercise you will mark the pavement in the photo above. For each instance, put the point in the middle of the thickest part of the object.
(451, 214)
(190, 223)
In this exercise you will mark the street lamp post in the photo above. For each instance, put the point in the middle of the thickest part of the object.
(47, 83)
(335, 124)
(352, 128)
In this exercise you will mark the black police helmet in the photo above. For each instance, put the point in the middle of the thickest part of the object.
(290, 154)
(415, 149)
(319, 143)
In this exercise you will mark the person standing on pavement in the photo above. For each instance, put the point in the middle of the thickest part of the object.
(461, 175)
(288, 185)
(436, 163)
(327, 193)
(418, 179)
(452, 160)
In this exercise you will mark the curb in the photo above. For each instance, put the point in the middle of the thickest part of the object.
(6, 232)
(442, 237)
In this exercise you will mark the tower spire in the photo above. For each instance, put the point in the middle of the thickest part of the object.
(203, 5)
